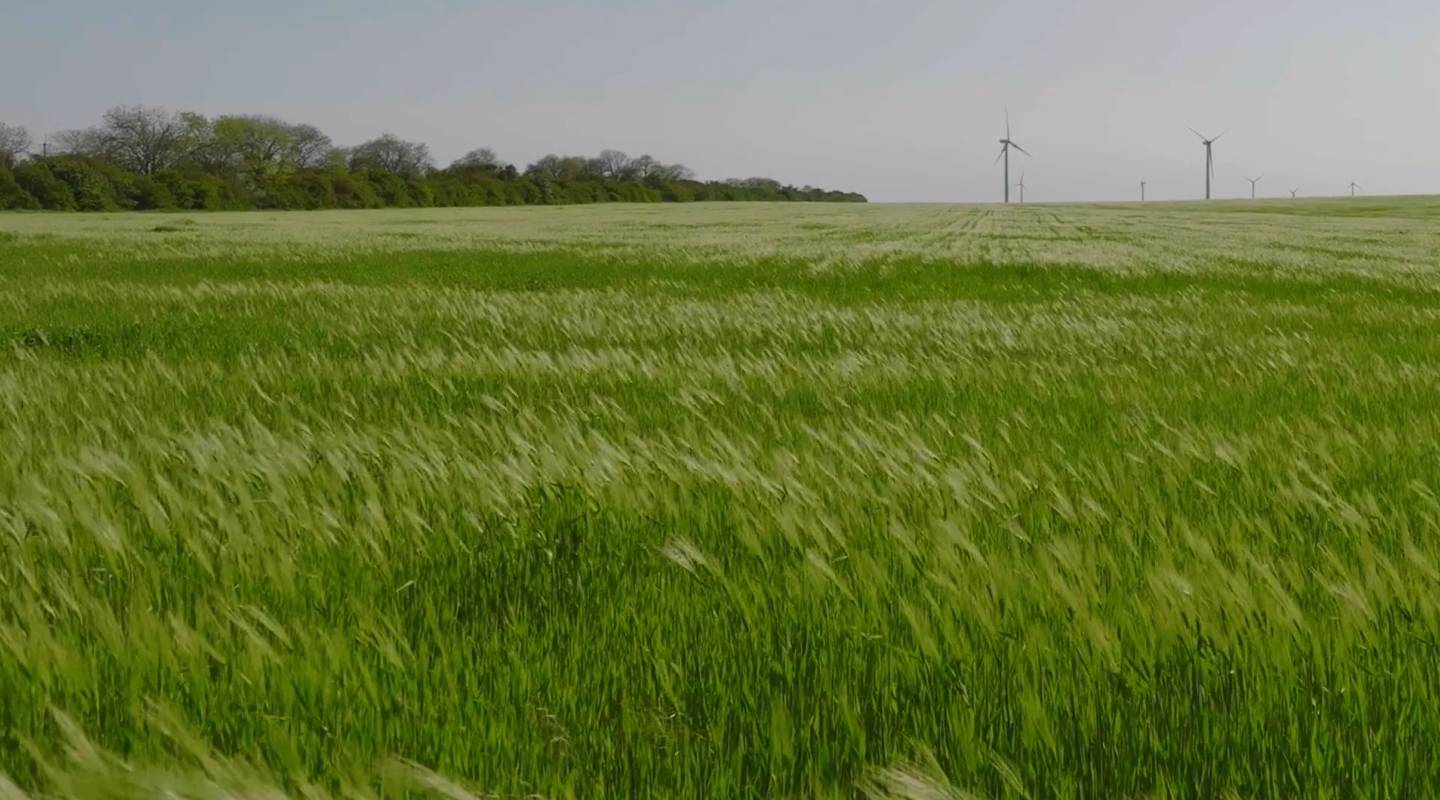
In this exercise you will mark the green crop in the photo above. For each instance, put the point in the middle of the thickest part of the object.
(723, 501)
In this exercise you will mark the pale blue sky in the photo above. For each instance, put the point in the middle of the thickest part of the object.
(901, 100)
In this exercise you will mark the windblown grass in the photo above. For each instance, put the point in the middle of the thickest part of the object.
(722, 501)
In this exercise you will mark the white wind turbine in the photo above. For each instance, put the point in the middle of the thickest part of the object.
(1209, 158)
(1005, 145)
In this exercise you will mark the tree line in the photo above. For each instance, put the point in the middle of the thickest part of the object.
(143, 158)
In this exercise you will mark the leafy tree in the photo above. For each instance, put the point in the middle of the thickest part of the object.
(81, 142)
(311, 149)
(566, 168)
(338, 159)
(642, 168)
(14, 143)
(545, 167)
(761, 184)
(143, 139)
(673, 172)
(257, 146)
(144, 158)
(482, 158)
(613, 165)
(393, 154)
(201, 146)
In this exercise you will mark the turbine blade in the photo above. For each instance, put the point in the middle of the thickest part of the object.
(1217, 138)
(1007, 122)
(1197, 133)
(1002, 155)
(1021, 149)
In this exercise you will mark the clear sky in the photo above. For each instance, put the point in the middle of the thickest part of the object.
(901, 100)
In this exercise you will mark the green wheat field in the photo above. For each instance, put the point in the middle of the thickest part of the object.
(723, 501)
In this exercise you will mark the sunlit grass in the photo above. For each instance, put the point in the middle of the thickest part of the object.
(714, 501)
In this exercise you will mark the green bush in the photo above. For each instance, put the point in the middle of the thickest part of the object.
(12, 197)
(211, 183)
(390, 188)
(192, 192)
(148, 194)
(40, 183)
(421, 193)
(352, 190)
(317, 189)
(91, 190)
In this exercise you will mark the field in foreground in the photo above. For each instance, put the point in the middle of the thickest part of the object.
(753, 501)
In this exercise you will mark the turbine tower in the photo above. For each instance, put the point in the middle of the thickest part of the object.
(1005, 145)
(1253, 181)
(1209, 158)
(1293, 191)
(1353, 187)
(1142, 191)
(1021, 186)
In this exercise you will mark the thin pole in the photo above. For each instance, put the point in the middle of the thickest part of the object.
(1142, 191)
(1207, 170)
(1007, 173)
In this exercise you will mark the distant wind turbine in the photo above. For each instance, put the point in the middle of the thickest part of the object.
(1293, 191)
(1209, 158)
(1253, 181)
(1005, 145)
(1142, 191)
(1021, 186)
(1353, 187)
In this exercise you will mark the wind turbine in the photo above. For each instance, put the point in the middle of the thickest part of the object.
(1209, 158)
(1293, 191)
(1353, 187)
(1021, 185)
(1253, 181)
(1142, 191)
(1005, 145)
